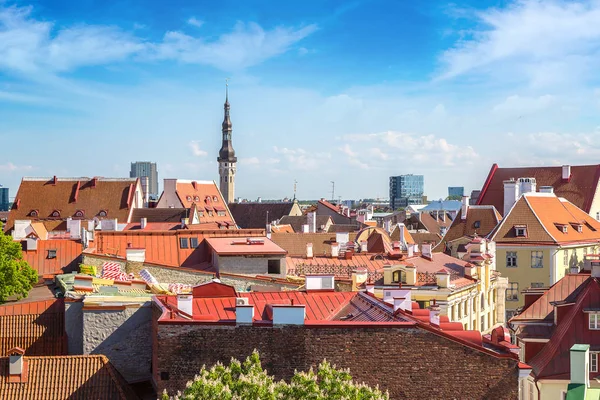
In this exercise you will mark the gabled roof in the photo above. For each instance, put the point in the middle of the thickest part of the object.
(258, 215)
(480, 221)
(62, 377)
(572, 328)
(296, 221)
(580, 189)
(542, 309)
(115, 196)
(544, 216)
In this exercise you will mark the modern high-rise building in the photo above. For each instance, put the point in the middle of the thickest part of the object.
(4, 201)
(456, 191)
(227, 159)
(146, 169)
(406, 190)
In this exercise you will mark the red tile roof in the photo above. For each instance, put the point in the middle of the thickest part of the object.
(207, 198)
(572, 328)
(340, 267)
(544, 216)
(579, 190)
(480, 221)
(67, 258)
(241, 246)
(69, 195)
(82, 377)
(542, 308)
(36, 326)
(427, 268)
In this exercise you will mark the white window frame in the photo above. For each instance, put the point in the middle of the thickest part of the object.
(510, 289)
(511, 255)
(566, 258)
(539, 255)
(594, 361)
(594, 321)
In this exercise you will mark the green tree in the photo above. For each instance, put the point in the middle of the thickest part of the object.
(16, 276)
(454, 197)
(248, 380)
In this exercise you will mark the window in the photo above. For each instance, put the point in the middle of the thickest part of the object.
(537, 259)
(512, 292)
(51, 254)
(566, 258)
(201, 213)
(215, 199)
(511, 259)
(474, 304)
(274, 266)
(221, 213)
(482, 326)
(598, 216)
(164, 376)
(594, 361)
(33, 213)
(459, 309)
(585, 251)
(196, 198)
(399, 276)
(183, 243)
(189, 198)
(79, 214)
(102, 213)
(535, 285)
(210, 213)
(482, 302)
(595, 321)
(520, 230)
(193, 242)
(55, 214)
(423, 304)
(477, 224)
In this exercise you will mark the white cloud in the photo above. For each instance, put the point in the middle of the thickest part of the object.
(29, 45)
(196, 150)
(524, 105)
(347, 150)
(195, 22)
(248, 45)
(300, 159)
(249, 161)
(542, 41)
(10, 167)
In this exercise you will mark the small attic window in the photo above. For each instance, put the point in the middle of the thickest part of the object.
(55, 214)
(520, 230)
(102, 213)
(79, 214)
(34, 213)
(196, 198)
(189, 198)
(215, 199)
(579, 228)
(477, 224)
(51, 254)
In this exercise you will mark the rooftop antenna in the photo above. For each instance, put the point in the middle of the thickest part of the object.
(333, 191)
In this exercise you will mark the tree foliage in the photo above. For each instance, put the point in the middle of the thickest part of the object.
(16, 276)
(248, 380)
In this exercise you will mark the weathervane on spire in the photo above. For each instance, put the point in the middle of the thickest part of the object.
(227, 89)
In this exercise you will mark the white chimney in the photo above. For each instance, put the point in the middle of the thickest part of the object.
(259, 200)
(580, 367)
(342, 237)
(411, 251)
(511, 195)
(15, 361)
(185, 303)
(546, 189)
(309, 250)
(137, 255)
(566, 172)
(143, 223)
(464, 208)
(387, 225)
(305, 228)
(434, 315)
(398, 302)
(335, 249)
(364, 246)
(426, 250)
(370, 287)
(401, 231)
(319, 282)
(527, 185)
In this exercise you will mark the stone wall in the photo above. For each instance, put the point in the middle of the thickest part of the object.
(123, 334)
(408, 362)
(249, 265)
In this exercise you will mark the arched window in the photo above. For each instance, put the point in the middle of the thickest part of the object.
(196, 198)
(189, 198)
(33, 213)
(483, 301)
(55, 214)
(399, 276)
(102, 213)
(215, 199)
(79, 214)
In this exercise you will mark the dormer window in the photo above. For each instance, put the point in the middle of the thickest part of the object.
(201, 213)
(477, 224)
(189, 198)
(79, 214)
(196, 198)
(579, 228)
(102, 213)
(563, 228)
(55, 214)
(520, 230)
(34, 213)
(215, 199)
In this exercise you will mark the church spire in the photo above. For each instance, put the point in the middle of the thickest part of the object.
(227, 159)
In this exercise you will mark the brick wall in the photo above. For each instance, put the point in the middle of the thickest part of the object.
(408, 362)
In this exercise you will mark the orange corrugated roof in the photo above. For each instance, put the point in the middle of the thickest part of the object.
(85, 377)
(243, 245)
(207, 197)
(67, 257)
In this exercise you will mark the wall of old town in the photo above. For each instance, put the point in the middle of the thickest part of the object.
(408, 362)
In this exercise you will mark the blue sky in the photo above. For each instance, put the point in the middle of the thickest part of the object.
(322, 90)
